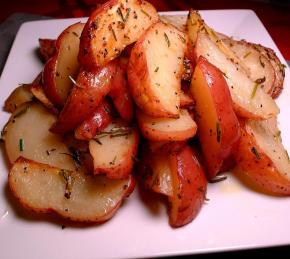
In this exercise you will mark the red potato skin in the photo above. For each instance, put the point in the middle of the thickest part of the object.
(189, 187)
(85, 97)
(260, 171)
(219, 111)
(49, 71)
(98, 121)
(121, 96)
(123, 170)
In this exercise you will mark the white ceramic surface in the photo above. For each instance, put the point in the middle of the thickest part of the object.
(234, 218)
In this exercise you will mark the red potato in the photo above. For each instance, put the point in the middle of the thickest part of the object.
(46, 49)
(70, 194)
(155, 171)
(113, 26)
(262, 158)
(121, 96)
(249, 99)
(155, 70)
(177, 174)
(99, 120)
(167, 129)
(218, 126)
(189, 186)
(90, 89)
(63, 65)
(19, 96)
(113, 150)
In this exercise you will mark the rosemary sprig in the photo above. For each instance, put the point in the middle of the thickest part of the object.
(114, 132)
(167, 39)
(247, 54)
(145, 13)
(255, 152)
(69, 181)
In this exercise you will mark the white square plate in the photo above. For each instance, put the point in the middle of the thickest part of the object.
(234, 218)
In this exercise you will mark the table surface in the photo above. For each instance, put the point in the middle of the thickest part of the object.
(275, 14)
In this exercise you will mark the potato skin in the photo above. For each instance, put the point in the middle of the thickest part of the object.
(218, 126)
(99, 120)
(258, 167)
(85, 97)
(57, 83)
(189, 187)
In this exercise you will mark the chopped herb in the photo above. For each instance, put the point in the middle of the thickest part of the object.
(167, 39)
(255, 88)
(181, 38)
(260, 80)
(114, 160)
(225, 75)
(121, 14)
(156, 69)
(218, 178)
(218, 132)
(255, 152)
(69, 181)
(114, 132)
(74, 81)
(127, 14)
(114, 34)
(74, 33)
(247, 54)
(261, 62)
(74, 154)
(63, 226)
(21, 145)
(98, 141)
(206, 199)
(145, 13)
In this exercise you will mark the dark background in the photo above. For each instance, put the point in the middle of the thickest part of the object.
(275, 14)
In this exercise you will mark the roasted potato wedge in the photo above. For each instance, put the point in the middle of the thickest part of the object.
(112, 27)
(155, 68)
(218, 125)
(189, 187)
(259, 67)
(46, 49)
(23, 138)
(70, 194)
(19, 96)
(167, 129)
(63, 66)
(250, 101)
(262, 157)
(88, 93)
(113, 150)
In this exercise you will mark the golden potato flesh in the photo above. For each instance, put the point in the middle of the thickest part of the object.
(27, 134)
(70, 194)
